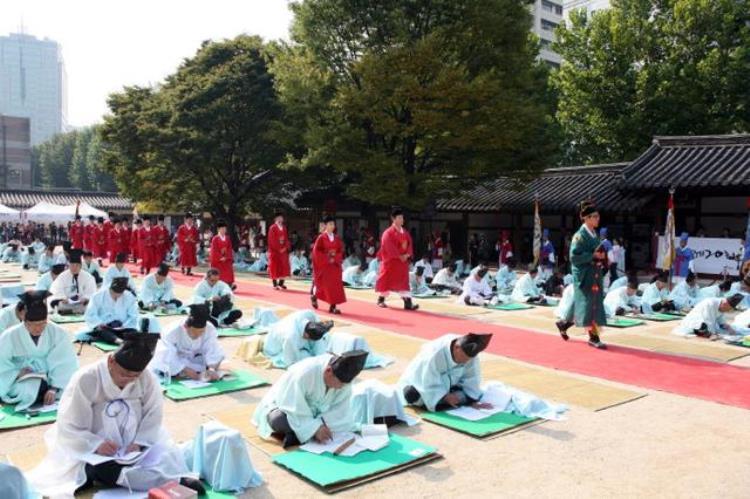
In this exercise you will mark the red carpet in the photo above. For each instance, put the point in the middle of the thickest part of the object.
(683, 376)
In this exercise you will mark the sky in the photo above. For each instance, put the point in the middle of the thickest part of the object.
(108, 44)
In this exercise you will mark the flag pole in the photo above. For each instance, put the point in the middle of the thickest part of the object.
(671, 236)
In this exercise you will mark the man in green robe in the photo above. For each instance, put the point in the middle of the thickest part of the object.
(588, 262)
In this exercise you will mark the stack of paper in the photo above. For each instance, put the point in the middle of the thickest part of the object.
(194, 383)
(499, 400)
(121, 457)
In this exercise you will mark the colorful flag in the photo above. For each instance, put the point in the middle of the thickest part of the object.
(669, 234)
(78, 206)
(537, 233)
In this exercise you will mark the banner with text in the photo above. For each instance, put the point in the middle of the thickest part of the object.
(713, 255)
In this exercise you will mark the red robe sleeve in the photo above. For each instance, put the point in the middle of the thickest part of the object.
(389, 247)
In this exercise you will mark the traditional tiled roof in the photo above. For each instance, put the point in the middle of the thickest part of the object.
(23, 199)
(558, 189)
(720, 161)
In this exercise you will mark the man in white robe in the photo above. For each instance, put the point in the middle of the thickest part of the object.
(119, 270)
(476, 290)
(111, 311)
(506, 277)
(44, 283)
(190, 349)
(621, 301)
(425, 263)
(526, 289)
(72, 289)
(219, 296)
(564, 309)
(11, 252)
(717, 290)
(296, 337)
(29, 258)
(445, 374)
(36, 357)
(111, 408)
(157, 290)
(684, 294)
(656, 295)
(741, 323)
(312, 400)
(707, 318)
(372, 273)
(298, 264)
(445, 279)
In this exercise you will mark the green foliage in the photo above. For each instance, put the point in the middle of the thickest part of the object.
(652, 67)
(71, 160)
(409, 100)
(205, 139)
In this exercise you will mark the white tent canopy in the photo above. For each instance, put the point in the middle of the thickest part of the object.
(44, 212)
(8, 214)
(85, 209)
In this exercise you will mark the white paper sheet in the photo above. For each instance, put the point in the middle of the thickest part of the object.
(193, 384)
(120, 493)
(330, 446)
(122, 458)
(374, 437)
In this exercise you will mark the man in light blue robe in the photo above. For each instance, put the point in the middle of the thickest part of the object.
(656, 296)
(298, 264)
(622, 301)
(219, 295)
(92, 267)
(46, 259)
(350, 261)
(311, 401)
(157, 290)
(109, 312)
(36, 357)
(352, 276)
(715, 290)
(526, 290)
(418, 283)
(29, 258)
(259, 265)
(12, 316)
(44, 283)
(296, 337)
(372, 273)
(445, 374)
(685, 293)
(119, 270)
(13, 484)
(11, 253)
(506, 277)
(741, 323)
(620, 282)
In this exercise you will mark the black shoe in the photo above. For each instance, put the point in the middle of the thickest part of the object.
(281, 285)
(233, 286)
(562, 328)
(314, 302)
(595, 342)
(194, 484)
(333, 310)
(290, 440)
(408, 305)
(381, 302)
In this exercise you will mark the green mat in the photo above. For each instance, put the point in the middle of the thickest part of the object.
(428, 297)
(242, 380)
(105, 347)
(509, 306)
(659, 317)
(622, 322)
(497, 423)
(335, 473)
(14, 420)
(228, 331)
(357, 287)
(212, 494)
(167, 314)
(66, 319)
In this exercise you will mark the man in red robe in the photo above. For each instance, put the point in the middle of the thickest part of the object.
(116, 239)
(88, 234)
(100, 241)
(163, 239)
(109, 224)
(135, 244)
(504, 248)
(327, 255)
(278, 252)
(127, 235)
(395, 253)
(76, 234)
(222, 254)
(187, 238)
(147, 246)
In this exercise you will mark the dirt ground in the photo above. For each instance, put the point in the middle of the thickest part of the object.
(659, 445)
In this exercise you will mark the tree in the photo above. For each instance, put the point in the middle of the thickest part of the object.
(413, 99)
(56, 158)
(79, 174)
(204, 139)
(651, 67)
